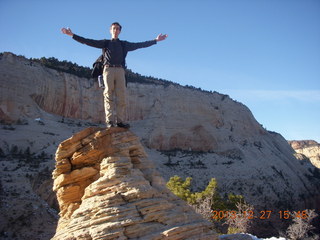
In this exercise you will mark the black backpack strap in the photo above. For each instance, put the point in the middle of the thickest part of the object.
(124, 54)
(104, 52)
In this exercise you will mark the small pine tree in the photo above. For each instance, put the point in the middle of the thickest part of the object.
(27, 152)
(181, 189)
(2, 154)
(14, 150)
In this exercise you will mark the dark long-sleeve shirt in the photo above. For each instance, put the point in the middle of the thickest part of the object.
(115, 50)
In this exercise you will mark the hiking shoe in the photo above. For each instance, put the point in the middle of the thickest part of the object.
(123, 125)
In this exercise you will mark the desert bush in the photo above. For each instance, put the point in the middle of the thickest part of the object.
(239, 221)
(204, 208)
(301, 225)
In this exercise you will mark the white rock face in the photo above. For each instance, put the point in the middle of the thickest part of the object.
(27, 87)
(175, 117)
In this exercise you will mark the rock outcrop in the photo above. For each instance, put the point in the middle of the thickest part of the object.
(309, 149)
(107, 188)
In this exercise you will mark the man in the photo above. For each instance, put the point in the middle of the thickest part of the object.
(114, 52)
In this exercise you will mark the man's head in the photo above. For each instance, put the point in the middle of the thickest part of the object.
(115, 29)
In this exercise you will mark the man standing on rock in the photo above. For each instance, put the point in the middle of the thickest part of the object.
(115, 52)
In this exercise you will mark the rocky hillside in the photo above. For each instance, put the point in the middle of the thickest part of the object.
(185, 131)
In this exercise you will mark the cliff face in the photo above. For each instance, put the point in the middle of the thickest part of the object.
(184, 131)
(180, 118)
(309, 149)
(167, 117)
(107, 188)
(26, 88)
(173, 117)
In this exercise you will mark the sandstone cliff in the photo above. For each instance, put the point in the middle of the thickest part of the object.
(26, 88)
(309, 149)
(162, 110)
(107, 188)
(185, 131)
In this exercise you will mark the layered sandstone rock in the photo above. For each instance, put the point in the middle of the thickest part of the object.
(309, 149)
(107, 188)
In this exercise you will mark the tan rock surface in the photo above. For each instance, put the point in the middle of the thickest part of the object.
(308, 148)
(114, 192)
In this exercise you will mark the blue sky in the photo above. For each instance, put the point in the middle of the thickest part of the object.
(263, 53)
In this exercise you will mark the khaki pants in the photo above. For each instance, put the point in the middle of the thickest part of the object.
(114, 94)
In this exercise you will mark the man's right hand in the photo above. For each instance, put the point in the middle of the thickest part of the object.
(67, 31)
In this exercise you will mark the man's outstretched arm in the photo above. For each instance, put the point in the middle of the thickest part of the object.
(133, 46)
(89, 42)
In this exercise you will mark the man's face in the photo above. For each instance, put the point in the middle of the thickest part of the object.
(115, 31)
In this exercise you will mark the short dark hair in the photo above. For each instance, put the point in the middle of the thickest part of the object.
(116, 23)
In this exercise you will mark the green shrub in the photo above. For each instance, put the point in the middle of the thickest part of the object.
(181, 189)
(209, 202)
